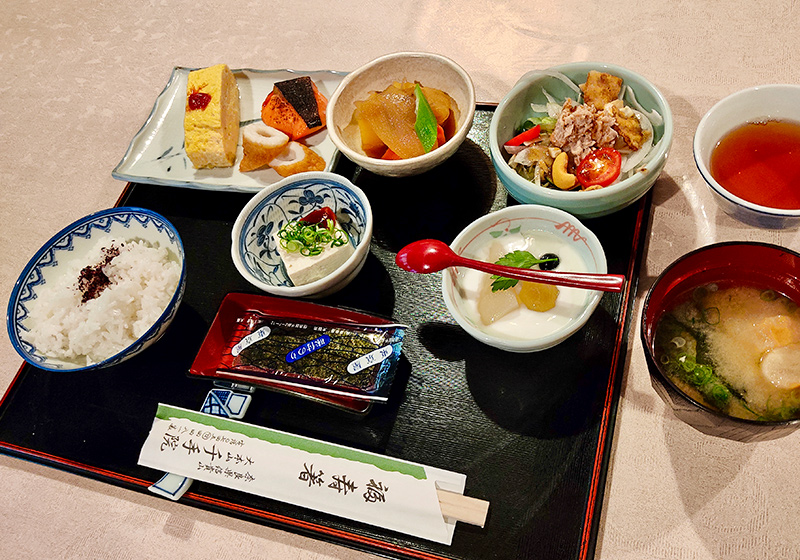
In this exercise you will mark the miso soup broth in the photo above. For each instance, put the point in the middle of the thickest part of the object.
(735, 349)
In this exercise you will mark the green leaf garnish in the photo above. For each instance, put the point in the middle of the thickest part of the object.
(426, 124)
(517, 259)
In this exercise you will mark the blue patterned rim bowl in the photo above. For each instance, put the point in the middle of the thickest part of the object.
(253, 247)
(72, 244)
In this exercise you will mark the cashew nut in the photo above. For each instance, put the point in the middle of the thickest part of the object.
(561, 177)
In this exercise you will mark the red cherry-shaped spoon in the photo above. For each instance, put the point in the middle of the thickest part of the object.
(429, 255)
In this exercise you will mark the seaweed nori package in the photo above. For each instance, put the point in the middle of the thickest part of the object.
(301, 344)
(341, 357)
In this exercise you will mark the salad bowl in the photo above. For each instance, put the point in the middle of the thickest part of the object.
(555, 85)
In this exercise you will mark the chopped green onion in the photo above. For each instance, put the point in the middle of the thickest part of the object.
(687, 362)
(701, 374)
(311, 239)
(720, 395)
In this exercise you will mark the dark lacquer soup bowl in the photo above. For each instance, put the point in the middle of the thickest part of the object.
(721, 332)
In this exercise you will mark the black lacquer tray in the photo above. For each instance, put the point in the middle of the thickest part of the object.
(532, 432)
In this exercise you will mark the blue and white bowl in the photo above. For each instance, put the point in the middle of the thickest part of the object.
(759, 103)
(253, 248)
(70, 246)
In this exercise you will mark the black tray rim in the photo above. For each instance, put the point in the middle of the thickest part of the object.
(352, 538)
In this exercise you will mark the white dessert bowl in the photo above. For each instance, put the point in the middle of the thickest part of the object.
(527, 219)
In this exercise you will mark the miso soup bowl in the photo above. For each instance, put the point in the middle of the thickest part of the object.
(532, 218)
(767, 102)
(750, 263)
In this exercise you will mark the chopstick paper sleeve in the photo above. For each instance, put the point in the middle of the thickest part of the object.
(359, 485)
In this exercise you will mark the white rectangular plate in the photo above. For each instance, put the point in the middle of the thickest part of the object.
(157, 155)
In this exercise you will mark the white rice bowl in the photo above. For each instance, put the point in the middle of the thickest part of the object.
(142, 281)
(50, 326)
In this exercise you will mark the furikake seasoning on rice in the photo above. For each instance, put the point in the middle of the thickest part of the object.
(348, 357)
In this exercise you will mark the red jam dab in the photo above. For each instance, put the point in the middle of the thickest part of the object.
(760, 162)
(199, 100)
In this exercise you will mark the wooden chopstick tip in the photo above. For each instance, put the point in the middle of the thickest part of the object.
(463, 508)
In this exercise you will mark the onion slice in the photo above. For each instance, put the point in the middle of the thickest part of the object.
(514, 149)
(559, 76)
(552, 108)
(632, 160)
(653, 115)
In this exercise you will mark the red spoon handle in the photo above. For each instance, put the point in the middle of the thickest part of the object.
(587, 280)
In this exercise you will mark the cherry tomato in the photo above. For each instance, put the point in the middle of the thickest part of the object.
(601, 167)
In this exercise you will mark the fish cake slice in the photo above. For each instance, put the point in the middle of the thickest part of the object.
(261, 144)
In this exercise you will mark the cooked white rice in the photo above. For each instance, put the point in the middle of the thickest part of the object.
(143, 280)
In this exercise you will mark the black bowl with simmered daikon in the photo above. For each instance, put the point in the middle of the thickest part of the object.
(721, 330)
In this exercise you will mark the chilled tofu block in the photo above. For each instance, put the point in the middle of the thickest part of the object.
(304, 270)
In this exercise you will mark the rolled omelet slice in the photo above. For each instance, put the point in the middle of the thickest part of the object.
(211, 121)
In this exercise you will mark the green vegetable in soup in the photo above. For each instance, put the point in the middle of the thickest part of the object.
(713, 346)
(682, 352)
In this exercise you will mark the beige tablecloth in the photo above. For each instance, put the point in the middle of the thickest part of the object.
(80, 79)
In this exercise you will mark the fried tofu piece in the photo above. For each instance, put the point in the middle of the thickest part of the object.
(600, 88)
(628, 126)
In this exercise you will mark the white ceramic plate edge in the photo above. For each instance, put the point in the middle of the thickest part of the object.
(158, 145)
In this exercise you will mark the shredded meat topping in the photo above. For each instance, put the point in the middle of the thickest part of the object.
(580, 129)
